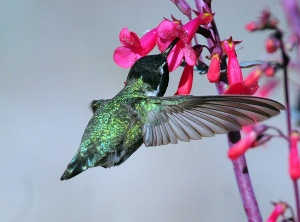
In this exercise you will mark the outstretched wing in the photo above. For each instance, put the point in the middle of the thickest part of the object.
(167, 119)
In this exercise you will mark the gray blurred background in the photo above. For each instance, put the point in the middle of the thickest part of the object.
(55, 58)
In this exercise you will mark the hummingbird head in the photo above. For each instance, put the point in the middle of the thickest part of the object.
(153, 69)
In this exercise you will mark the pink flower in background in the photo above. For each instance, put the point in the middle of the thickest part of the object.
(265, 21)
(294, 163)
(184, 7)
(267, 88)
(242, 145)
(279, 209)
(253, 77)
(253, 26)
(133, 48)
(272, 44)
(250, 140)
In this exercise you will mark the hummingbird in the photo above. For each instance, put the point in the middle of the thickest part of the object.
(139, 114)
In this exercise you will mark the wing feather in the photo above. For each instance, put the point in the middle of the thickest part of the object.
(169, 119)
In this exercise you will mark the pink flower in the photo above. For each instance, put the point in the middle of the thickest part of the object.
(133, 48)
(294, 163)
(186, 81)
(279, 209)
(234, 72)
(249, 141)
(214, 69)
(253, 26)
(253, 77)
(168, 30)
(270, 71)
(242, 146)
(267, 88)
(272, 44)
(265, 21)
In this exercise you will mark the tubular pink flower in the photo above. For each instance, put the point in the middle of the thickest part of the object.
(253, 26)
(269, 71)
(214, 69)
(294, 163)
(234, 72)
(272, 44)
(279, 209)
(133, 48)
(267, 88)
(186, 81)
(253, 77)
(168, 30)
(242, 145)
(249, 141)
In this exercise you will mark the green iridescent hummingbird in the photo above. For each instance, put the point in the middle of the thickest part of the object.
(139, 114)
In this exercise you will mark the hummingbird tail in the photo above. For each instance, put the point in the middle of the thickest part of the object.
(74, 168)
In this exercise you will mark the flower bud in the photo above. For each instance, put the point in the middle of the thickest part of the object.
(294, 163)
(272, 44)
(252, 26)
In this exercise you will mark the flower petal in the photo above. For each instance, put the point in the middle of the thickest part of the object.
(124, 57)
(192, 26)
(166, 28)
(214, 69)
(234, 70)
(148, 41)
(240, 88)
(242, 146)
(294, 162)
(130, 40)
(189, 55)
(175, 56)
(253, 77)
(267, 88)
(186, 81)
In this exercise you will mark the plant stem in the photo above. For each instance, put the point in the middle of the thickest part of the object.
(240, 165)
(243, 177)
(285, 61)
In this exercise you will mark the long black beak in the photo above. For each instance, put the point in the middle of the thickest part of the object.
(171, 46)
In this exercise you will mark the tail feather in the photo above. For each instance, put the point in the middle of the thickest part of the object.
(75, 167)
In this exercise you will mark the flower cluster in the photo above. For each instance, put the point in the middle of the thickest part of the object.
(133, 48)
(265, 21)
(224, 69)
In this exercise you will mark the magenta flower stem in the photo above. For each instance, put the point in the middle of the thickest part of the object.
(244, 183)
(285, 62)
(243, 177)
(240, 165)
(292, 12)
